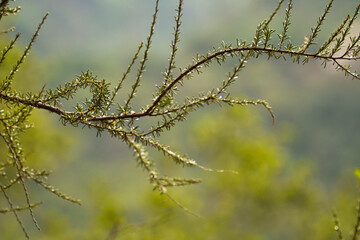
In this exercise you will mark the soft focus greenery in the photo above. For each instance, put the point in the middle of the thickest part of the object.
(290, 178)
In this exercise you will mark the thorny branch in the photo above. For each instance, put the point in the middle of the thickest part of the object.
(96, 112)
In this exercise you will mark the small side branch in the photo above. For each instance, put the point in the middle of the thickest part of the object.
(27, 49)
(145, 57)
(13, 209)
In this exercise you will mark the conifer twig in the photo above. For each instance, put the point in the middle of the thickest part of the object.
(357, 224)
(337, 227)
(9, 47)
(14, 211)
(128, 70)
(315, 31)
(27, 49)
(174, 43)
(145, 57)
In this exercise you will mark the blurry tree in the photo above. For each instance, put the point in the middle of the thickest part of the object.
(140, 126)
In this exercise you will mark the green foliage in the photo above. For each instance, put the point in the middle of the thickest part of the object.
(103, 112)
(357, 174)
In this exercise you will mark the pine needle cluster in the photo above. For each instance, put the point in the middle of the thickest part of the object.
(103, 112)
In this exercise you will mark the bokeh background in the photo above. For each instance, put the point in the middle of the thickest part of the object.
(291, 175)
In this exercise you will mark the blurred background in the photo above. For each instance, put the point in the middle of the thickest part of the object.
(291, 175)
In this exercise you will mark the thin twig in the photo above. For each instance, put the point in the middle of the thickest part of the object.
(128, 70)
(145, 57)
(27, 49)
(14, 211)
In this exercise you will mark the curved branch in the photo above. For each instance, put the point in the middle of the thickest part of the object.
(238, 50)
